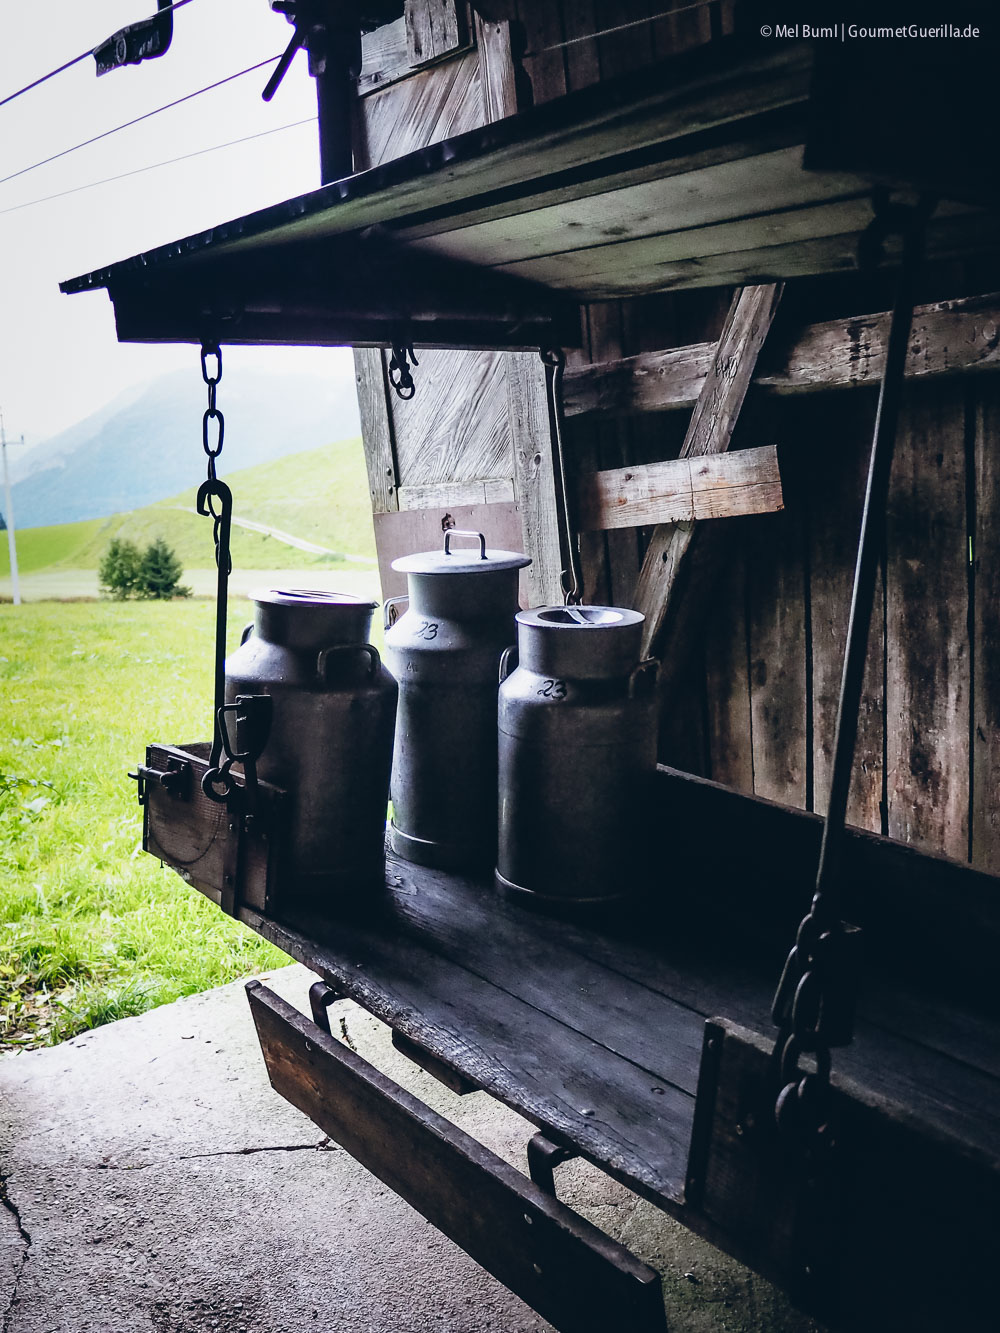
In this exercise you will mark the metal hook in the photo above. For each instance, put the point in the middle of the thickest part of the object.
(399, 370)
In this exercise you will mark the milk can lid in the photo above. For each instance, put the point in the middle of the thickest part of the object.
(310, 597)
(453, 559)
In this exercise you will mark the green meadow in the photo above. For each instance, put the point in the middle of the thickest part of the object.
(91, 928)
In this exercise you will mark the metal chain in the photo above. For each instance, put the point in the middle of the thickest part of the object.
(212, 414)
(215, 499)
(554, 361)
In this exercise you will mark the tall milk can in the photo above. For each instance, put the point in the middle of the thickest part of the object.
(577, 730)
(329, 742)
(445, 652)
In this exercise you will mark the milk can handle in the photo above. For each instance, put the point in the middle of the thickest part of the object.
(505, 657)
(247, 631)
(388, 606)
(340, 649)
(458, 532)
(648, 667)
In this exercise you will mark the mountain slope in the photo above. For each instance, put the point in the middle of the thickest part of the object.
(147, 444)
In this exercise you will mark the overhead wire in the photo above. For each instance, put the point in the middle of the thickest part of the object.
(167, 9)
(154, 166)
(105, 134)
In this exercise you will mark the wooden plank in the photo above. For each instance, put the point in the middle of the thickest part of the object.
(927, 640)
(842, 428)
(455, 425)
(681, 212)
(434, 29)
(555, 1076)
(949, 337)
(926, 916)
(384, 57)
(497, 73)
(535, 477)
(986, 665)
(432, 105)
(778, 666)
(563, 1266)
(376, 429)
(681, 489)
(709, 432)
(726, 670)
(435, 495)
(613, 444)
(631, 261)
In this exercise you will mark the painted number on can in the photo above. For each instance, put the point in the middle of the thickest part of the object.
(428, 629)
(553, 689)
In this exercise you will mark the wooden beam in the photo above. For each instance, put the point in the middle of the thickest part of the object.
(948, 338)
(535, 477)
(709, 432)
(376, 429)
(435, 494)
(681, 489)
(434, 29)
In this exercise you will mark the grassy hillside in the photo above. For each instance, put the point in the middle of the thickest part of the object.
(320, 495)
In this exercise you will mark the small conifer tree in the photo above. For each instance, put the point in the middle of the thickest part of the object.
(119, 569)
(160, 572)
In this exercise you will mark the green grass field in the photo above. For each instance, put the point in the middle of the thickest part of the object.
(91, 928)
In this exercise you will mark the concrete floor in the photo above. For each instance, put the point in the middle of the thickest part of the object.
(154, 1183)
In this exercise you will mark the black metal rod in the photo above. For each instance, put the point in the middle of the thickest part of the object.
(335, 104)
(873, 528)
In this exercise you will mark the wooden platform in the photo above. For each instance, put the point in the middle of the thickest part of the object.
(641, 1039)
(594, 1033)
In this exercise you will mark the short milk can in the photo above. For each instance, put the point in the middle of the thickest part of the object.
(577, 726)
(329, 738)
(445, 652)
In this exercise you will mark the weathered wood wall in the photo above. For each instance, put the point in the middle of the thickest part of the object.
(752, 699)
(753, 681)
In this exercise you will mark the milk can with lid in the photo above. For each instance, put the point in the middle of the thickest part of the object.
(329, 729)
(445, 652)
(577, 746)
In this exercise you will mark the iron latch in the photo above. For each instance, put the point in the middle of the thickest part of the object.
(175, 780)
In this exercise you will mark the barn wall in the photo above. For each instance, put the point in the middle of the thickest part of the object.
(752, 685)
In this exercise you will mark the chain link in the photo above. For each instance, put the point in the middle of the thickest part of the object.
(212, 413)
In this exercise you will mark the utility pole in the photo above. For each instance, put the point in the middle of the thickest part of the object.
(9, 515)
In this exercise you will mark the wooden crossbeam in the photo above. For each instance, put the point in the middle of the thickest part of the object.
(709, 432)
(680, 490)
(948, 338)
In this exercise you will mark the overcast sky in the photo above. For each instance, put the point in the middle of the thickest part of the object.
(59, 357)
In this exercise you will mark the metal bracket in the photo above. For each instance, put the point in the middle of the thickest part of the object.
(144, 40)
(321, 996)
(543, 1158)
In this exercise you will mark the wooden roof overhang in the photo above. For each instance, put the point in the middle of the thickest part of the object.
(688, 174)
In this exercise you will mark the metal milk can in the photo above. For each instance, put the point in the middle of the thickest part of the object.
(329, 738)
(445, 652)
(577, 730)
